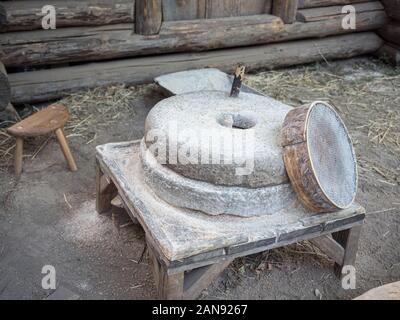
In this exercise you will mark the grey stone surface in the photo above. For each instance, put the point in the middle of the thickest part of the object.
(199, 80)
(213, 199)
(181, 233)
(212, 115)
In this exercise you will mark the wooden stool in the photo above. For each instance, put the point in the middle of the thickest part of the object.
(43, 122)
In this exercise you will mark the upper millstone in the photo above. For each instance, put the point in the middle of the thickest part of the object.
(211, 137)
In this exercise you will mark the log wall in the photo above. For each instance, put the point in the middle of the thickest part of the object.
(103, 31)
(391, 33)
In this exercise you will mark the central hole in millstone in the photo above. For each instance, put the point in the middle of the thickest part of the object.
(237, 120)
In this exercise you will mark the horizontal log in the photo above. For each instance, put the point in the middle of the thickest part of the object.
(27, 15)
(326, 3)
(393, 8)
(318, 14)
(390, 53)
(35, 86)
(110, 42)
(391, 32)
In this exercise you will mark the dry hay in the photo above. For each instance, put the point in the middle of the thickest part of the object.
(365, 92)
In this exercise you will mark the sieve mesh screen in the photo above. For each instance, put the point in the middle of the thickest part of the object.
(332, 155)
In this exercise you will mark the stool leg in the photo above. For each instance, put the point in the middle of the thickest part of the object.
(65, 149)
(348, 239)
(19, 146)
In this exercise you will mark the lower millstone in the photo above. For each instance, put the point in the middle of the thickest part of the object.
(209, 198)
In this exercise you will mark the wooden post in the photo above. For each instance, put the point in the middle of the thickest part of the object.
(105, 191)
(285, 9)
(169, 286)
(148, 17)
(391, 32)
(65, 149)
(348, 239)
(237, 80)
(19, 146)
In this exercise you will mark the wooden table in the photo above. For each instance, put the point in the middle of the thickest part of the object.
(190, 249)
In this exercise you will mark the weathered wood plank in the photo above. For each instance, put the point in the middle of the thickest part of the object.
(324, 13)
(222, 8)
(254, 7)
(234, 8)
(53, 83)
(391, 32)
(326, 3)
(27, 15)
(110, 42)
(285, 9)
(174, 10)
(148, 16)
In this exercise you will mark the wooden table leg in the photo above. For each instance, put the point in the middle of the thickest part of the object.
(65, 149)
(19, 146)
(348, 239)
(169, 287)
(105, 191)
(199, 279)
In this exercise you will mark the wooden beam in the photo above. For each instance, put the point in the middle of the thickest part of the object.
(326, 3)
(285, 9)
(33, 48)
(330, 247)
(50, 84)
(324, 13)
(27, 15)
(391, 32)
(148, 17)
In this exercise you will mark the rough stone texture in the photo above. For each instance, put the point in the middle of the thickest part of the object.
(199, 80)
(213, 114)
(181, 233)
(183, 192)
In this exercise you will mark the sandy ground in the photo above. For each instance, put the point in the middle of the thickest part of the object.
(47, 217)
